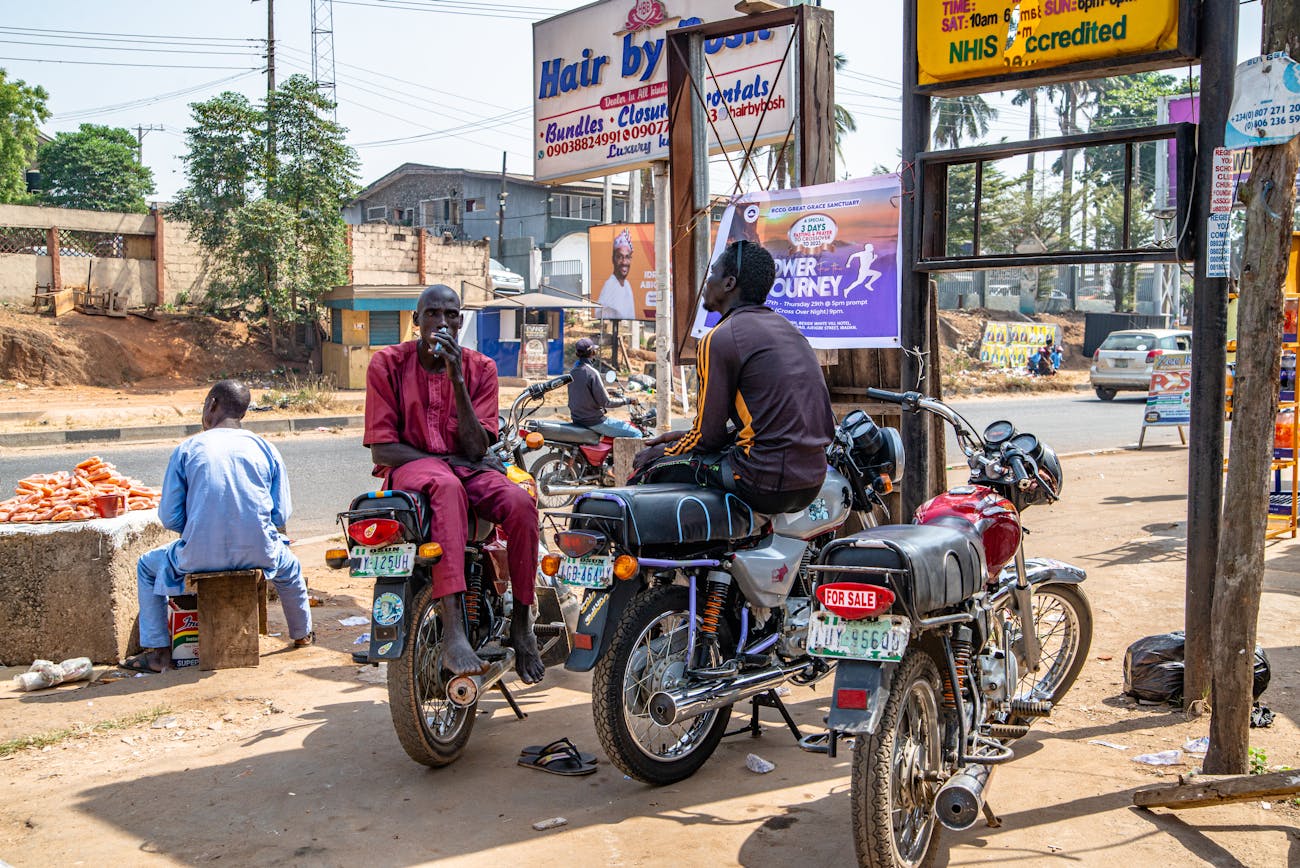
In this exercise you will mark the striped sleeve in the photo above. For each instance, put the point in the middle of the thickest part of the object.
(719, 381)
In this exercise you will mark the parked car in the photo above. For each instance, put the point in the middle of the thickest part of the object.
(504, 280)
(1124, 360)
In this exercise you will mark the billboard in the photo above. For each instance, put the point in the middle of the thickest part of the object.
(968, 40)
(622, 259)
(600, 85)
(836, 252)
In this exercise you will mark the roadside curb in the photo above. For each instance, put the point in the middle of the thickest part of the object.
(172, 432)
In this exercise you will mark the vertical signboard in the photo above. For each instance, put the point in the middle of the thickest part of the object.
(600, 86)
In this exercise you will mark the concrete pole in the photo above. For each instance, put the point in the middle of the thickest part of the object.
(664, 298)
(634, 196)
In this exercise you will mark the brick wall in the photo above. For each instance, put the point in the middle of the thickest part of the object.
(389, 256)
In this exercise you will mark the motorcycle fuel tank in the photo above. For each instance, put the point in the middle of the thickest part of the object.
(827, 511)
(988, 513)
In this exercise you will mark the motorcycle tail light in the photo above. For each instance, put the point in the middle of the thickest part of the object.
(850, 698)
(375, 532)
(625, 567)
(337, 559)
(578, 543)
(550, 565)
(854, 601)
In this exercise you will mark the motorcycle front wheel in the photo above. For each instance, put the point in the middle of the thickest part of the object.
(553, 469)
(647, 653)
(895, 772)
(432, 730)
(1063, 622)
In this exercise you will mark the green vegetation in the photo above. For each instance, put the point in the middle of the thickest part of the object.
(53, 737)
(22, 109)
(95, 168)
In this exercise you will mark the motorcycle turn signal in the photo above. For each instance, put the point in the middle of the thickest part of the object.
(550, 565)
(428, 554)
(337, 559)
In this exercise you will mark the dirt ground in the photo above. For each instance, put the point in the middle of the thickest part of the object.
(296, 763)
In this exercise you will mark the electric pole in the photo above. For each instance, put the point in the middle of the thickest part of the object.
(140, 132)
(501, 211)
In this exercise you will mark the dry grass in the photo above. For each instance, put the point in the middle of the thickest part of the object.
(306, 393)
(53, 737)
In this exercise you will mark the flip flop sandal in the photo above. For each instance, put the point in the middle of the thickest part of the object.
(536, 750)
(139, 663)
(564, 761)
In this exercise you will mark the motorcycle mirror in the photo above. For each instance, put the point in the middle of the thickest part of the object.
(611, 377)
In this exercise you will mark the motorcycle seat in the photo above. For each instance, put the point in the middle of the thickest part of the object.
(671, 513)
(412, 509)
(943, 565)
(565, 432)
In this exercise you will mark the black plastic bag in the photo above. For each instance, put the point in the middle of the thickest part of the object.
(1153, 668)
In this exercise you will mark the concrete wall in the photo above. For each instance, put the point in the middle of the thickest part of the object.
(389, 256)
(187, 271)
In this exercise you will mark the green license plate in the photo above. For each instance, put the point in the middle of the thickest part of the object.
(390, 561)
(883, 638)
(588, 572)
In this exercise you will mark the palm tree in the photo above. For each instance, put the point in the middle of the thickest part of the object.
(1029, 96)
(960, 117)
(780, 160)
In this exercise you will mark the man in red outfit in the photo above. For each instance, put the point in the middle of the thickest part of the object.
(431, 416)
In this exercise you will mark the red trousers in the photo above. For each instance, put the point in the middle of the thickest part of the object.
(451, 491)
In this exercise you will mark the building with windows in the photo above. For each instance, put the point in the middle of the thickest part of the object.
(466, 204)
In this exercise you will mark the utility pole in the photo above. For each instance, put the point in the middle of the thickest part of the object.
(1270, 197)
(501, 211)
(140, 132)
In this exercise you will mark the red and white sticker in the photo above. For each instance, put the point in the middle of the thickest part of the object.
(853, 601)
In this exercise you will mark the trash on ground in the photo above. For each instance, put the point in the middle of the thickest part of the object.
(373, 674)
(165, 723)
(1153, 669)
(362, 639)
(758, 765)
(354, 621)
(1197, 745)
(45, 673)
(552, 823)
(1163, 758)
(1109, 744)
(1261, 716)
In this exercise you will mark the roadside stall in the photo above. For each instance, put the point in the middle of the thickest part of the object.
(524, 334)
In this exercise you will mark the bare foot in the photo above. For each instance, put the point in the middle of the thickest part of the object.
(528, 660)
(458, 656)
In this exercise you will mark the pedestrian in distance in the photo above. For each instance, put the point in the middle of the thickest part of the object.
(227, 493)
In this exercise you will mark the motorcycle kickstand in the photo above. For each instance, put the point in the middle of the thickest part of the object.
(510, 698)
(992, 819)
(767, 699)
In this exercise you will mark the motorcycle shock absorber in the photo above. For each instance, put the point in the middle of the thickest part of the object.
(715, 597)
(961, 655)
(473, 590)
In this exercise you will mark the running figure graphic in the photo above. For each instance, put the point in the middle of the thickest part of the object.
(867, 276)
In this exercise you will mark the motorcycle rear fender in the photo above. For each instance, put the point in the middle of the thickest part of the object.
(875, 679)
(387, 641)
(597, 617)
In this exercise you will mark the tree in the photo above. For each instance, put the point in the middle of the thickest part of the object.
(1029, 96)
(960, 117)
(279, 241)
(95, 168)
(22, 109)
(1270, 199)
(780, 158)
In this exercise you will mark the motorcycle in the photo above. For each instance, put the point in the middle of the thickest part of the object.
(693, 602)
(392, 538)
(580, 460)
(948, 642)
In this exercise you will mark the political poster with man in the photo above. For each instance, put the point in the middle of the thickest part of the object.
(622, 260)
(836, 250)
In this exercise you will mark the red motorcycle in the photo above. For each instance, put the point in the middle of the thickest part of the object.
(579, 460)
(948, 643)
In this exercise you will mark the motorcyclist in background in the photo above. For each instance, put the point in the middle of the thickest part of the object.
(588, 399)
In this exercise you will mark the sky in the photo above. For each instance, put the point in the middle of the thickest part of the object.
(444, 82)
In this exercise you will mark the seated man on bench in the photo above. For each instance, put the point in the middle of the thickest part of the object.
(226, 492)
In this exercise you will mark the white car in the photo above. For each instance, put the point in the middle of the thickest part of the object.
(1124, 360)
(504, 280)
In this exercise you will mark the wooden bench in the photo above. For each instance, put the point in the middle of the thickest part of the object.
(232, 614)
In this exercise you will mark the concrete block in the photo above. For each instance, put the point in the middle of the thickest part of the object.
(69, 589)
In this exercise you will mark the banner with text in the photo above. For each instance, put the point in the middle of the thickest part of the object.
(600, 85)
(1010, 344)
(836, 252)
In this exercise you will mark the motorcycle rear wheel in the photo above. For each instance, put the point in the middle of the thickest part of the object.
(553, 469)
(432, 730)
(891, 800)
(647, 653)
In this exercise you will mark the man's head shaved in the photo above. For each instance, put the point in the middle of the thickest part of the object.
(231, 398)
(439, 292)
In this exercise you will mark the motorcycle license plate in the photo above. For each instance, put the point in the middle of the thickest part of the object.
(883, 638)
(588, 572)
(396, 561)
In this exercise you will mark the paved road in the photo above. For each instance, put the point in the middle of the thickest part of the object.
(327, 471)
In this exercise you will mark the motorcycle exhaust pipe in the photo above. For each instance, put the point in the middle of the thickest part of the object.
(464, 690)
(958, 804)
(551, 490)
(669, 707)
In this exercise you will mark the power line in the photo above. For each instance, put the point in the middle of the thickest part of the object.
(138, 65)
(149, 100)
(121, 48)
(90, 35)
(478, 10)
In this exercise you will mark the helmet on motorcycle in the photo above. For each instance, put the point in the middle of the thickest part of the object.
(1049, 466)
(585, 348)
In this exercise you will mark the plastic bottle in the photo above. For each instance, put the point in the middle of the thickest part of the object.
(1284, 430)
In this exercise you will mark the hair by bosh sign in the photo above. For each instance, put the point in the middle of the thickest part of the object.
(600, 85)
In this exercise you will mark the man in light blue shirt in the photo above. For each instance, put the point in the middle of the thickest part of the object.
(227, 494)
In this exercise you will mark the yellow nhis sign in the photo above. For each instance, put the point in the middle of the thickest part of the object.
(968, 39)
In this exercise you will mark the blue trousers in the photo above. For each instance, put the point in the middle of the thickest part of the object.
(157, 579)
(612, 427)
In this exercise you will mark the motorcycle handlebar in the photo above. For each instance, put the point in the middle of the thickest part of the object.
(536, 390)
(1018, 471)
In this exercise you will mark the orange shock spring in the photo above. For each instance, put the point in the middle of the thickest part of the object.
(473, 589)
(717, 595)
(961, 651)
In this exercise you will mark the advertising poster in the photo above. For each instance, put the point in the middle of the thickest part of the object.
(836, 252)
(534, 360)
(1169, 400)
(622, 258)
(600, 85)
(1010, 344)
(1265, 102)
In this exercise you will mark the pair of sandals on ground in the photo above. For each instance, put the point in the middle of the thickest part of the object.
(153, 661)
